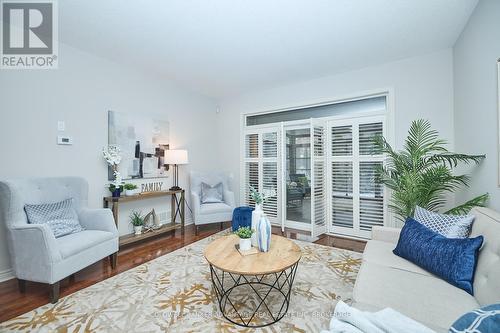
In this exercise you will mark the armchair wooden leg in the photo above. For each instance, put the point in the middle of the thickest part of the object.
(22, 285)
(112, 259)
(222, 226)
(196, 230)
(54, 292)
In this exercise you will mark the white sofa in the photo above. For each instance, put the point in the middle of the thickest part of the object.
(386, 280)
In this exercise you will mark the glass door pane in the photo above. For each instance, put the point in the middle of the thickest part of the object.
(298, 175)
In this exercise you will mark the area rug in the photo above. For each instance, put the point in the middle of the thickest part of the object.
(173, 293)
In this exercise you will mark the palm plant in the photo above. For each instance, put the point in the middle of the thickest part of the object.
(422, 173)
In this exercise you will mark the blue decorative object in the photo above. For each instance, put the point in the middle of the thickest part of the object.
(116, 192)
(483, 320)
(264, 233)
(242, 217)
(452, 259)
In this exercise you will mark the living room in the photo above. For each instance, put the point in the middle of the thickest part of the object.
(284, 166)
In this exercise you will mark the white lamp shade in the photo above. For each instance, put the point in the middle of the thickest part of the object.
(176, 156)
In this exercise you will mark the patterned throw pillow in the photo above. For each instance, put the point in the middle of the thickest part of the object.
(211, 194)
(61, 217)
(483, 320)
(450, 226)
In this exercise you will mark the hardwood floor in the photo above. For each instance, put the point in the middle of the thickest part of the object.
(14, 303)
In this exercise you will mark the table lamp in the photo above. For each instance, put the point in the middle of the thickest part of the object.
(176, 157)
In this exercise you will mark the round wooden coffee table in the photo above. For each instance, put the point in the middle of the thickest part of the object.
(253, 290)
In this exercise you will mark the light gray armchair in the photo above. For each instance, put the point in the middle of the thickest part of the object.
(35, 254)
(211, 212)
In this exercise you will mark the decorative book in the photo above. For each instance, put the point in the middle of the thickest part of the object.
(253, 250)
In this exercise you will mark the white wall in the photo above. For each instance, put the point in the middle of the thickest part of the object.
(476, 119)
(422, 86)
(81, 92)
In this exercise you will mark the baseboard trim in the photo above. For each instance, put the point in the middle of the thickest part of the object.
(6, 275)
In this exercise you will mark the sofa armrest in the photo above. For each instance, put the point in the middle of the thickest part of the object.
(34, 245)
(229, 198)
(385, 234)
(98, 219)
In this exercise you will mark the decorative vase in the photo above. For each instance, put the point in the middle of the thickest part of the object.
(256, 214)
(138, 230)
(116, 193)
(264, 233)
(245, 244)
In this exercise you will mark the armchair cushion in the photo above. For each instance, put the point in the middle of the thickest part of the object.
(75, 243)
(211, 194)
(215, 208)
(61, 216)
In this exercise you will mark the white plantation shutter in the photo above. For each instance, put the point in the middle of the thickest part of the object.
(357, 200)
(262, 169)
(319, 203)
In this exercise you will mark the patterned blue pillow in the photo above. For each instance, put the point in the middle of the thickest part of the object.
(452, 259)
(61, 217)
(451, 226)
(483, 320)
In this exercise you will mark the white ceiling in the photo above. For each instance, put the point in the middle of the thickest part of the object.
(222, 48)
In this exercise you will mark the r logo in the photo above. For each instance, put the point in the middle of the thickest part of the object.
(27, 28)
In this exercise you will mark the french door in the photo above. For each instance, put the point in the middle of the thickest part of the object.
(320, 174)
(357, 200)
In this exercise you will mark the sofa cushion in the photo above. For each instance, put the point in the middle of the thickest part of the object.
(215, 208)
(451, 226)
(424, 298)
(380, 253)
(74, 243)
(60, 216)
(452, 259)
(211, 194)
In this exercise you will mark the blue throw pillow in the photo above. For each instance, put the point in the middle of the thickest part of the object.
(452, 259)
(483, 320)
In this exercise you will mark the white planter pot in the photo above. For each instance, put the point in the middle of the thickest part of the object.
(138, 230)
(130, 193)
(245, 244)
(256, 214)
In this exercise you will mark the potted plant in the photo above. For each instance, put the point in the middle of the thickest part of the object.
(422, 174)
(137, 221)
(111, 154)
(130, 189)
(244, 233)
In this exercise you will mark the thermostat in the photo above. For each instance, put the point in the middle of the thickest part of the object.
(64, 140)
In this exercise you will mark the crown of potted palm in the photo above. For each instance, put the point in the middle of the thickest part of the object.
(244, 233)
(137, 221)
(422, 174)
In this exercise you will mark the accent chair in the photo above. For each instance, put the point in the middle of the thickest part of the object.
(205, 213)
(35, 253)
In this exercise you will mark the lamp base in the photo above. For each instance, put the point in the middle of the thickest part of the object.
(175, 188)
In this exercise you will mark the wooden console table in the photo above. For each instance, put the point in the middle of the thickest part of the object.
(177, 208)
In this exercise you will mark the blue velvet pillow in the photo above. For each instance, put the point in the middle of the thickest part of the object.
(485, 320)
(452, 259)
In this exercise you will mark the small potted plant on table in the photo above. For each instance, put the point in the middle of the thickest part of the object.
(245, 233)
(137, 221)
(130, 189)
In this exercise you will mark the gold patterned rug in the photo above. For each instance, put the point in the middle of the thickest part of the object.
(173, 293)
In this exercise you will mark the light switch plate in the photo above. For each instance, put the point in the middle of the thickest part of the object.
(61, 125)
(64, 140)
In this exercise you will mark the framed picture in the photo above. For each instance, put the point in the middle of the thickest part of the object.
(143, 141)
